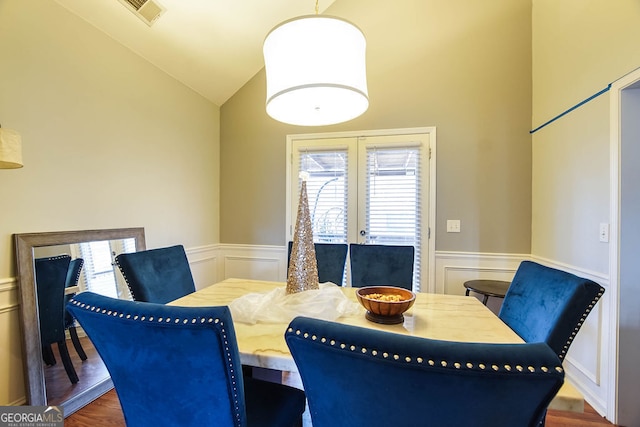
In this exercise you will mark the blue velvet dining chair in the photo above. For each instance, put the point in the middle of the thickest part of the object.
(373, 265)
(157, 275)
(180, 366)
(547, 305)
(73, 276)
(356, 376)
(331, 259)
(51, 274)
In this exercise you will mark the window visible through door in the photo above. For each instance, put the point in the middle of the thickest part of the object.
(99, 273)
(370, 190)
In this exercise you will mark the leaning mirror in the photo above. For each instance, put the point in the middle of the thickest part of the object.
(79, 377)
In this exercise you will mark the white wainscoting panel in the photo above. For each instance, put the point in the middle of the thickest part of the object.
(12, 387)
(254, 262)
(585, 364)
(455, 268)
(204, 263)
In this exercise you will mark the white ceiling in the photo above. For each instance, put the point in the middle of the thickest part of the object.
(212, 46)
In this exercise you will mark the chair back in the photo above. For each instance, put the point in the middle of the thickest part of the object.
(157, 275)
(331, 258)
(51, 274)
(170, 366)
(73, 276)
(547, 305)
(373, 265)
(356, 376)
(73, 273)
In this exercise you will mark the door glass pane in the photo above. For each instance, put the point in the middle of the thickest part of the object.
(393, 198)
(327, 194)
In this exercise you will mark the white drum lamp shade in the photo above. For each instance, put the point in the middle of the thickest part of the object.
(316, 71)
(10, 149)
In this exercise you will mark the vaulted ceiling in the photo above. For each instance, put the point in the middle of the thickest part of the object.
(212, 46)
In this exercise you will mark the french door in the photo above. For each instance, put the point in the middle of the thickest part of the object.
(365, 189)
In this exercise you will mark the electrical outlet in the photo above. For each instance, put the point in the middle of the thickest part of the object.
(453, 226)
(604, 232)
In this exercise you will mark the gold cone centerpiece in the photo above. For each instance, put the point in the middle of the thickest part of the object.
(303, 267)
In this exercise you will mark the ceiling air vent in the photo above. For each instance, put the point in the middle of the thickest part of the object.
(147, 10)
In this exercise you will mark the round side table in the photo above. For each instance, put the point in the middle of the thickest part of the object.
(487, 288)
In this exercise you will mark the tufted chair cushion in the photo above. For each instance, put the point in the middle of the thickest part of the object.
(179, 366)
(547, 305)
(356, 376)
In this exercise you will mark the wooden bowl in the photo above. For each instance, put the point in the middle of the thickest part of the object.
(385, 312)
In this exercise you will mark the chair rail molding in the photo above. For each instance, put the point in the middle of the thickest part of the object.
(8, 294)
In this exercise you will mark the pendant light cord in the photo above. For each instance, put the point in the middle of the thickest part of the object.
(316, 7)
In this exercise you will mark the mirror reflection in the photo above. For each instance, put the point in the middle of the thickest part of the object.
(61, 272)
(62, 366)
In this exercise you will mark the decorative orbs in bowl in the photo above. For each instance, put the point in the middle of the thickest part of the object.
(385, 304)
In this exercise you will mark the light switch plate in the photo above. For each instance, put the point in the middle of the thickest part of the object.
(604, 232)
(453, 226)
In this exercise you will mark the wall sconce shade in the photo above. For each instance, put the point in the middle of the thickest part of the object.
(10, 149)
(316, 71)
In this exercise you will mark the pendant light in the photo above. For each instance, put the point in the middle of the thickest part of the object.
(316, 71)
(10, 149)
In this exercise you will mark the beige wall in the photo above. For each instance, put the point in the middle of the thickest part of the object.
(463, 66)
(108, 141)
(579, 47)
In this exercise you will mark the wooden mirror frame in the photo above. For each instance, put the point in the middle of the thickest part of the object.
(32, 351)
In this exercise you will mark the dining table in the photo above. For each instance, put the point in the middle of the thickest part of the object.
(433, 316)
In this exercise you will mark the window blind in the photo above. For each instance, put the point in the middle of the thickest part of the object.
(98, 268)
(392, 202)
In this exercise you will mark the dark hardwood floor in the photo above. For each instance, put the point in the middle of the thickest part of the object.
(590, 418)
(106, 412)
(90, 371)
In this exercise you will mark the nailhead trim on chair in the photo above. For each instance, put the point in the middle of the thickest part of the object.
(420, 360)
(565, 348)
(52, 258)
(126, 279)
(77, 278)
(216, 321)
